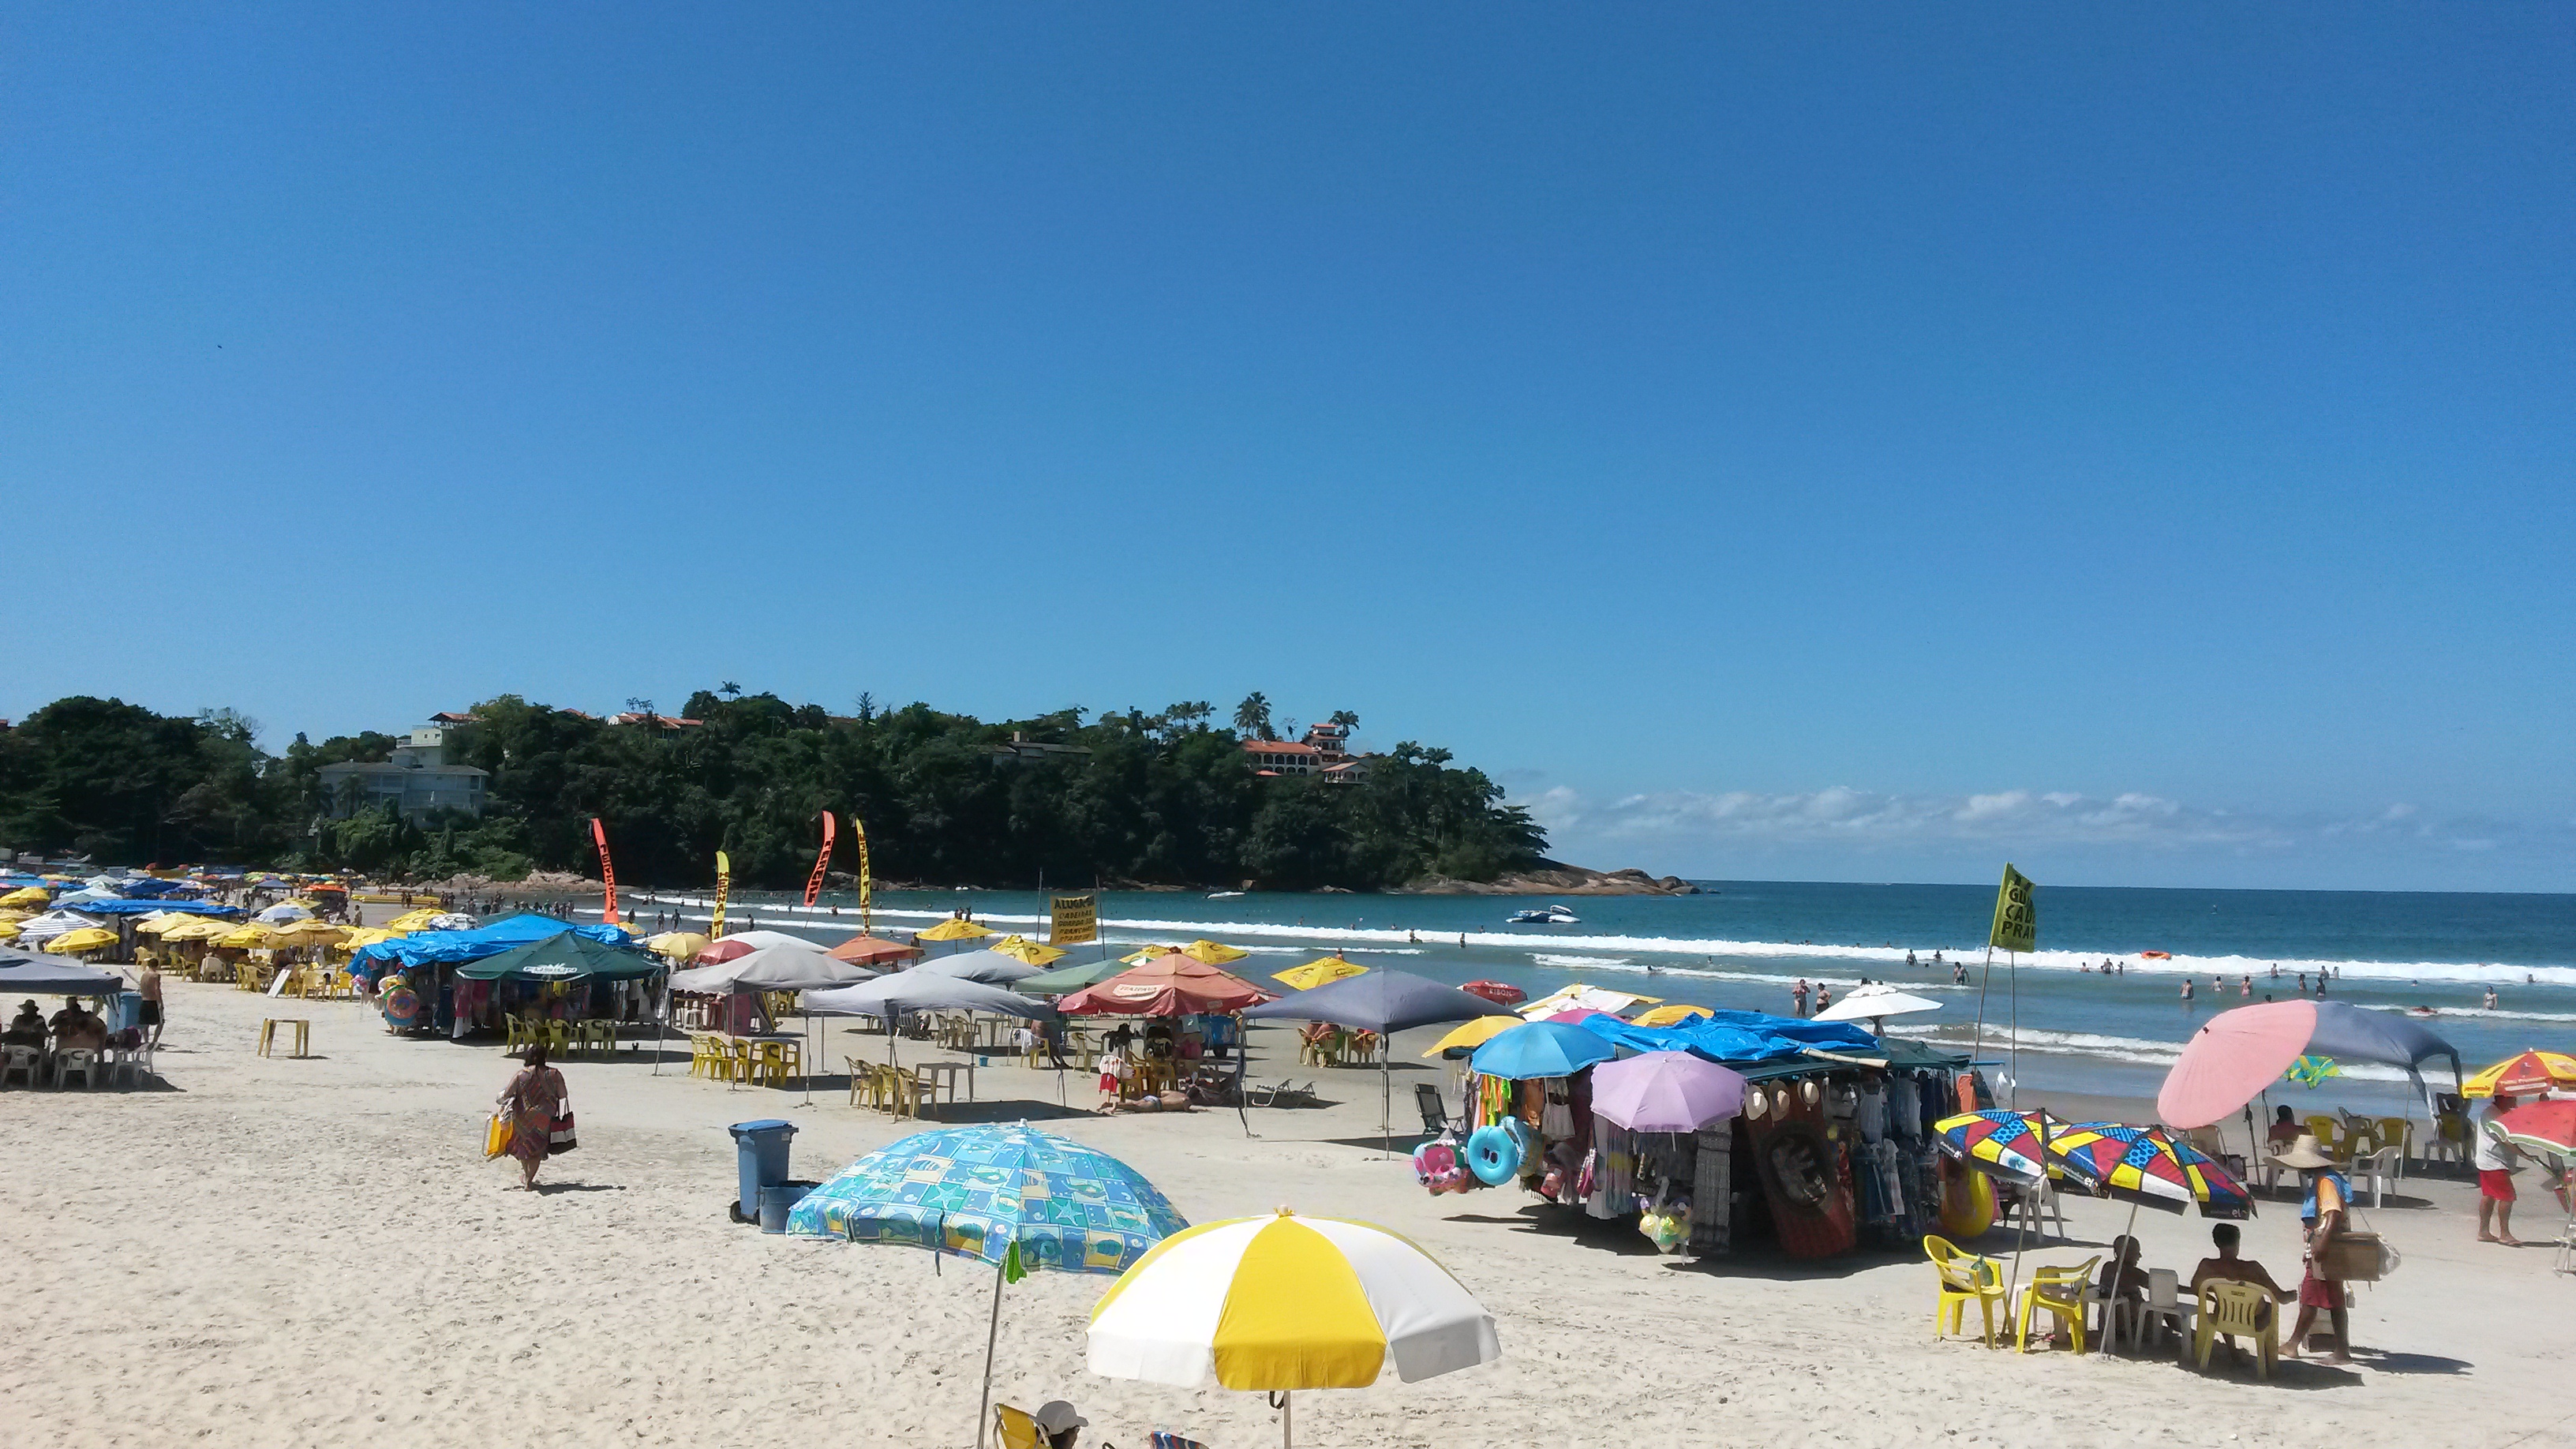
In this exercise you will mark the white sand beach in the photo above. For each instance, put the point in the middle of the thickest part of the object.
(312, 1252)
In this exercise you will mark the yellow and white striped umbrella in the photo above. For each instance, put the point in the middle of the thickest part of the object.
(1287, 1303)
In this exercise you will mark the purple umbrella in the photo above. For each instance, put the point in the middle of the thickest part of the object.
(1665, 1092)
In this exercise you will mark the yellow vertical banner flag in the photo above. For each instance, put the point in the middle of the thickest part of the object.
(724, 887)
(867, 887)
(1073, 920)
(2016, 914)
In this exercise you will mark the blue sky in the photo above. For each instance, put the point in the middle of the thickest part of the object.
(1851, 444)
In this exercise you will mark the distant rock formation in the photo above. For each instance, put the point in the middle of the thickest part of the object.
(1556, 878)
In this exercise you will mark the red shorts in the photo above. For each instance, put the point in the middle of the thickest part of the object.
(2316, 1292)
(2495, 1186)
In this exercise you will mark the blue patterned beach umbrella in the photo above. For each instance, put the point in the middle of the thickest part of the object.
(978, 1190)
(1015, 1197)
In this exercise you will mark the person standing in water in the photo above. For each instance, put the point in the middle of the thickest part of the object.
(1798, 998)
(2186, 991)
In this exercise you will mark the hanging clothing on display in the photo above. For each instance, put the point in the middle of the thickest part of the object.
(1713, 1191)
(1614, 1172)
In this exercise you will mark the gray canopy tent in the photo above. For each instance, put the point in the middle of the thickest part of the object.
(1381, 1000)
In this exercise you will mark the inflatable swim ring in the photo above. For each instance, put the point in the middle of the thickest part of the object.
(1967, 1202)
(1494, 1155)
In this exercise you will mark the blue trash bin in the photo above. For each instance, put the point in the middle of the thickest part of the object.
(777, 1201)
(760, 1157)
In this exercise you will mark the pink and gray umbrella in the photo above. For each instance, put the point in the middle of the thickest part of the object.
(1665, 1092)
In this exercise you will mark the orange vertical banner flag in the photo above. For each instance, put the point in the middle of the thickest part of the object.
(814, 882)
(607, 872)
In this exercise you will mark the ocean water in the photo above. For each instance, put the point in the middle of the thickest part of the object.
(2043, 1016)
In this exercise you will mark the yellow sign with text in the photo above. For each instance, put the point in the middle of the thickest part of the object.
(1073, 920)
(2016, 914)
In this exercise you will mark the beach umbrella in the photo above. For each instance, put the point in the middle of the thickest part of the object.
(1282, 1303)
(2546, 1127)
(283, 912)
(86, 938)
(956, 928)
(1143, 954)
(1212, 953)
(873, 951)
(902, 993)
(1597, 998)
(1474, 1034)
(246, 936)
(309, 932)
(1384, 1002)
(2526, 1075)
(990, 967)
(1539, 1049)
(2145, 1166)
(416, 920)
(1670, 1015)
(2005, 1144)
(1665, 1092)
(1501, 993)
(1875, 1002)
(361, 937)
(8, 930)
(1322, 971)
(1015, 1197)
(1065, 979)
(26, 896)
(1173, 984)
(2312, 1072)
(1028, 952)
(743, 943)
(678, 945)
(2236, 1054)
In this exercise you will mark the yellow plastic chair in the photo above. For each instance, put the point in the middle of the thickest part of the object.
(2061, 1292)
(558, 1038)
(704, 1055)
(1964, 1278)
(1014, 1429)
(2232, 1309)
(911, 1093)
(2329, 1133)
(2398, 1132)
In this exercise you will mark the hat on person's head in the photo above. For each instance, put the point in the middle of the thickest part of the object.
(1055, 1416)
(2306, 1154)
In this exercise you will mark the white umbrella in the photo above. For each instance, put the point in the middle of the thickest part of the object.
(1286, 1303)
(281, 913)
(1874, 1001)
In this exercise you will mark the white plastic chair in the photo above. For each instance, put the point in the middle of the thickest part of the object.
(22, 1061)
(2165, 1305)
(2377, 1170)
(78, 1059)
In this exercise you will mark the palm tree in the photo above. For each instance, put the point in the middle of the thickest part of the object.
(729, 690)
(1252, 717)
(1347, 719)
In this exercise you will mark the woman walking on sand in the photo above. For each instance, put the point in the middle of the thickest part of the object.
(535, 1100)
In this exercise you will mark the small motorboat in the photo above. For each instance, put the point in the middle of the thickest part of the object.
(1545, 916)
(1223, 895)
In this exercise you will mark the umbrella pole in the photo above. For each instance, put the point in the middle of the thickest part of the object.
(1385, 1096)
(1287, 1418)
(984, 1407)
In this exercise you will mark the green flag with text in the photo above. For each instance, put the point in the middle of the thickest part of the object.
(2016, 916)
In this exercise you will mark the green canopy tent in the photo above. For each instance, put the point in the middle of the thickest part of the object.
(567, 957)
(1065, 980)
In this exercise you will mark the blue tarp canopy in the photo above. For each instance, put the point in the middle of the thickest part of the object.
(449, 947)
(1734, 1038)
(144, 887)
(145, 908)
(564, 956)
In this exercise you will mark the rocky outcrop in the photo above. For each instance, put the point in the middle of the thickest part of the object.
(1556, 878)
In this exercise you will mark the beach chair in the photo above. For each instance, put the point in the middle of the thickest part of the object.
(514, 1032)
(1283, 1095)
(22, 1061)
(1435, 1113)
(1014, 1429)
(707, 1056)
(1962, 1278)
(2164, 1307)
(2398, 1132)
(2060, 1293)
(2376, 1170)
(78, 1059)
(2328, 1132)
(2231, 1309)
(910, 1093)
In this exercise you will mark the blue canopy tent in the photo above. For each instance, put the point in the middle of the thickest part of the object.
(1733, 1037)
(147, 907)
(448, 948)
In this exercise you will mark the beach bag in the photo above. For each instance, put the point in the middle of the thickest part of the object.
(496, 1136)
(2357, 1256)
(562, 1140)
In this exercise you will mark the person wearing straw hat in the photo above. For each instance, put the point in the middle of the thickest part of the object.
(2321, 1213)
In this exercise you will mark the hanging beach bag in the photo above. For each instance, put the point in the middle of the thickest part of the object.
(496, 1136)
(562, 1140)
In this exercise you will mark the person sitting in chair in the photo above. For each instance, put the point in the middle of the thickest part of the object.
(27, 1028)
(2122, 1279)
(2229, 1268)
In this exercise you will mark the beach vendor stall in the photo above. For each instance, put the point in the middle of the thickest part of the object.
(566, 990)
(1169, 989)
(426, 961)
(1826, 1145)
(1384, 1001)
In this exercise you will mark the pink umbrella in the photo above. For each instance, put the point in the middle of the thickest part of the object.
(1575, 1015)
(1665, 1092)
(2232, 1059)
